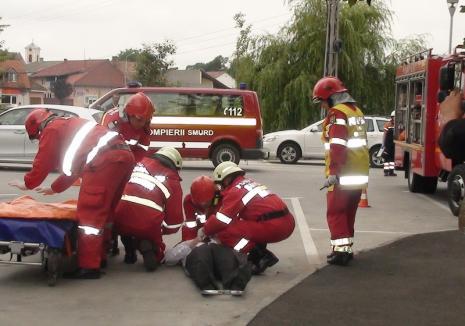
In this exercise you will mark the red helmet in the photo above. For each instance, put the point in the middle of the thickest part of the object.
(140, 105)
(203, 190)
(326, 87)
(34, 122)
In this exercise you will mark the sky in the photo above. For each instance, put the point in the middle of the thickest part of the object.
(200, 29)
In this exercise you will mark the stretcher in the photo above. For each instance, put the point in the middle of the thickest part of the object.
(29, 227)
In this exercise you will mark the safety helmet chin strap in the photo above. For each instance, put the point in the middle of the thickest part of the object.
(44, 123)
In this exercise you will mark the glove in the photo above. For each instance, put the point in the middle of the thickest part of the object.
(331, 180)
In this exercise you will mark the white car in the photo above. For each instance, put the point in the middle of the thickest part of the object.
(15, 146)
(291, 145)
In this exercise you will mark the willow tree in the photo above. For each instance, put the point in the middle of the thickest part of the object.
(283, 68)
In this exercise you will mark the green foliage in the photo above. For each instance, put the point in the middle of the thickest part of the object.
(283, 68)
(3, 53)
(217, 64)
(152, 63)
(129, 55)
(61, 89)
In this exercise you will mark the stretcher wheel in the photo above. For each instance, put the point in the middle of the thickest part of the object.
(54, 259)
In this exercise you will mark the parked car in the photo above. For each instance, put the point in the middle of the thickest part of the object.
(289, 146)
(15, 146)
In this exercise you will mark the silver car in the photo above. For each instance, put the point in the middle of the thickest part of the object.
(15, 146)
(291, 145)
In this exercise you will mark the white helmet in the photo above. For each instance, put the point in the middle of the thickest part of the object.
(172, 154)
(393, 114)
(224, 169)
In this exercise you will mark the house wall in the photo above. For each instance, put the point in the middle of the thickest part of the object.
(227, 80)
(187, 78)
(83, 96)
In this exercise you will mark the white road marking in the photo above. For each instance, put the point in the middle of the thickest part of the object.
(438, 204)
(309, 245)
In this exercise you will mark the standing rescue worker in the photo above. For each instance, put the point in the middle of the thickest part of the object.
(346, 157)
(133, 123)
(80, 148)
(388, 146)
(151, 206)
(250, 217)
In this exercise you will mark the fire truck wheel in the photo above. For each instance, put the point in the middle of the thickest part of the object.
(289, 153)
(456, 188)
(375, 160)
(225, 152)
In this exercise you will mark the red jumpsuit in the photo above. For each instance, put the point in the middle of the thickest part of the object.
(138, 140)
(151, 204)
(81, 148)
(195, 217)
(249, 214)
(342, 203)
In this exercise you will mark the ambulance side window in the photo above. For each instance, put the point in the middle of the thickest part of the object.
(170, 104)
(232, 106)
(206, 105)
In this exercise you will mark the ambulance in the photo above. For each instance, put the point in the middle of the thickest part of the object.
(207, 123)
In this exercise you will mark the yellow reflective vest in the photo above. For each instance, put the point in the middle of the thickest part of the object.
(354, 173)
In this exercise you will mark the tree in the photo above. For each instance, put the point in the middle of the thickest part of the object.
(61, 89)
(152, 63)
(283, 68)
(217, 64)
(3, 52)
(129, 55)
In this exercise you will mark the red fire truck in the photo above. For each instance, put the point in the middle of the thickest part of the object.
(419, 81)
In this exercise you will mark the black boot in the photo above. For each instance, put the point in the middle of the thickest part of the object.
(267, 260)
(340, 258)
(130, 255)
(148, 251)
(83, 274)
(386, 173)
(392, 173)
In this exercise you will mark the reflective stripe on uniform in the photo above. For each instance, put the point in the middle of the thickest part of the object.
(260, 190)
(191, 224)
(338, 141)
(145, 148)
(157, 180)
(142, 201)
(89, 230)
(131, 142)
(202, 218)
(103, 141)
(341, 122)
(241, 244)
(74, 146)
(223, 218)
(170, 226)
(342, 242)
(352, 180)
(356, 142)
(343, 249)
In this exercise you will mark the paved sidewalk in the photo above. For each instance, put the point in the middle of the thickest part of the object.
(418, 280)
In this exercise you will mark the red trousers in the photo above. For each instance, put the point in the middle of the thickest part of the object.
(243, 235)
(102, 186)
(141, 222)
(340, 213)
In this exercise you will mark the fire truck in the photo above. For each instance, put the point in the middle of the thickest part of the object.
(421, 81)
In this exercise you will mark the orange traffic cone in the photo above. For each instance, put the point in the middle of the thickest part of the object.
(77, 183)
(363, 199)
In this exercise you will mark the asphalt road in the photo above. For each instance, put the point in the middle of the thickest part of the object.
(127, 295)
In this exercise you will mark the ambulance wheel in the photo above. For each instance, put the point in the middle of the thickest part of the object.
(53, 266)
(375, 160)
(456, 188)
(289, 153)
(225, 152)
(420, 184)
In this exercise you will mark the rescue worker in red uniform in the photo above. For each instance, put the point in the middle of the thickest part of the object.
(151, 205)
(133, 123)
(388, 146)
(250, 217)
(346, 157)
(213, 267)
(80, 148)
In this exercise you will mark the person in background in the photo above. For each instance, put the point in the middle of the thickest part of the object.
(452, 136)
(80, 148)
(388, 146)
(151, 206)
(347, 163)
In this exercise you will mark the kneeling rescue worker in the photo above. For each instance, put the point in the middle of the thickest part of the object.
(151, 206)
(80, 148)
(346, 157)
(250, 217)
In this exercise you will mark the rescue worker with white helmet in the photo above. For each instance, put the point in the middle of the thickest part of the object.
(250, 216)
(347, 163)
(151, 206)
(80, 148)
(388, 146)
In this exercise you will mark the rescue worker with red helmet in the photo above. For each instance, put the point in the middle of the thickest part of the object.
(151, 206)
(80, 148)
(133, 123)
(214, 268)
(346, 157)
(388, 146)
(250, 217)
